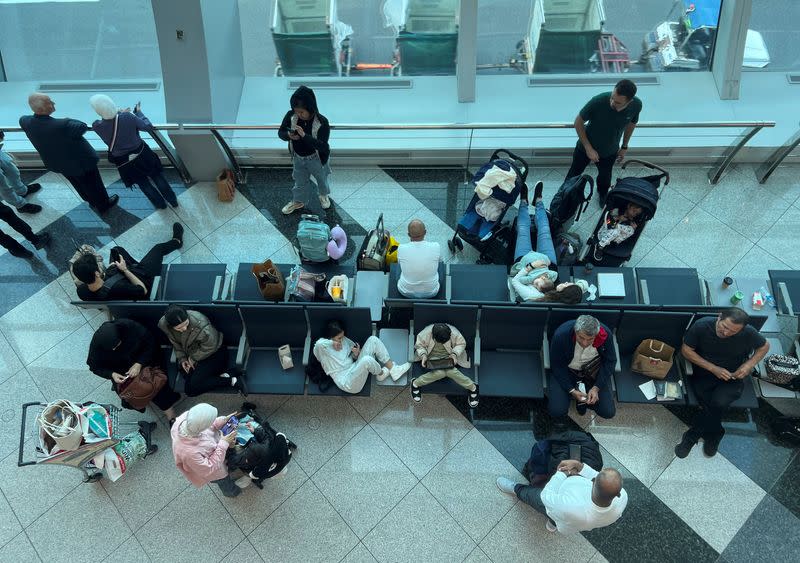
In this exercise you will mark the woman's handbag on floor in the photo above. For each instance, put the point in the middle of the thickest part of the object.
(60, 426)
(226, 186)
(653, 358)
(781, 370)
(372, 255)
(139, 391)
(270, 280)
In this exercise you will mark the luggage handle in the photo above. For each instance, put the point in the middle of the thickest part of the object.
(379, 227)
(517, 159)
(310, 217)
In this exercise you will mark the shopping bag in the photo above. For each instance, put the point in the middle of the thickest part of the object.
(270, 280)
(60, 424)
(226, 186)
(653, 358)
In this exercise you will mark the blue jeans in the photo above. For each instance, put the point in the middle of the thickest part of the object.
(304, 169)
(544, 241)
(11, 187)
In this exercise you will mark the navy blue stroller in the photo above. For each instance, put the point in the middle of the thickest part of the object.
(493, 239)
(642, 191)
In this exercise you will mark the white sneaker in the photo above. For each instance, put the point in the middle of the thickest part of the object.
(291, 207)
(383, 374)
(506, 485)
(550, 527)
(325, 201)
(398, 371)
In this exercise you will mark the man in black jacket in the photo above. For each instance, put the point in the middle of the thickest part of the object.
(63, 149)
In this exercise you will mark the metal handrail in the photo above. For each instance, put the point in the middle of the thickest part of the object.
(716, 172)
(774, 160)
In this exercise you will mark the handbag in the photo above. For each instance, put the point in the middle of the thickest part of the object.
(653, 358)
(302, 285)
(372, 255)
(781, 369)
(139, 391)
(270, 280)
(226, 186)
(60, 426)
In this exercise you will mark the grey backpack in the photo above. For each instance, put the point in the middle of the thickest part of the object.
(312, 238)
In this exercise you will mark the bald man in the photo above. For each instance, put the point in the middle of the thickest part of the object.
(419, 264)
(63, 149)
(576, 499)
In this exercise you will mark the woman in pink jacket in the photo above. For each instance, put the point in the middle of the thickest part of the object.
(199, 448)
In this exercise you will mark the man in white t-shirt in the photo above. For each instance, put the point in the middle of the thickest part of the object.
(576, 499)
(419, 264)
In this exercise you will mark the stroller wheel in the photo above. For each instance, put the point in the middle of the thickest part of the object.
(459, 244)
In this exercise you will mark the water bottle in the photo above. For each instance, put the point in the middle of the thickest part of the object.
(768, 297)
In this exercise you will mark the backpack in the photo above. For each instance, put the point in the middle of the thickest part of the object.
(567, 245)
(316, 374)
(312, 238)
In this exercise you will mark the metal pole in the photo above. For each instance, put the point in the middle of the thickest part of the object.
(172, 156)
(240, 179)
(773, 161)
(469, 154)
(722, 164)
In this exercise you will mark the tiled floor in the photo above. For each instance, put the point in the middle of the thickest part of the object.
(378, 478)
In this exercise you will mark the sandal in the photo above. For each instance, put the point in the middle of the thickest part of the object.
(416, 394)
(473, 397)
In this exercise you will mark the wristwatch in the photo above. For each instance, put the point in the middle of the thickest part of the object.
(624, 147)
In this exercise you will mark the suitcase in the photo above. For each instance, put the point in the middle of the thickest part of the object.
(372, 255)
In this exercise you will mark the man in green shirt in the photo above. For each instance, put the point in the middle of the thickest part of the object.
(600, 124)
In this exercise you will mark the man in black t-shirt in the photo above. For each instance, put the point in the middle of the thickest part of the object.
(125, 279)
(724, 350)
(601, 123)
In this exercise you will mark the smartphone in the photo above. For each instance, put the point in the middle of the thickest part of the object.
(582, 389)
(230, 426)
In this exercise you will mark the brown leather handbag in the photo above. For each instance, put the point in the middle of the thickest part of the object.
(139, 391)
(270, 280)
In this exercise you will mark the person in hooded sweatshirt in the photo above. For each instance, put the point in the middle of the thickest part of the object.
(307, 132)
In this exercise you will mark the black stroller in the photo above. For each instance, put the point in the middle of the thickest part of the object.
(644, 192)
(492, 238)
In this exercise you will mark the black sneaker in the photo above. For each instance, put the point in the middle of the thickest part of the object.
(581, 408)
(710, 446)
(42, 240)
(32, 189)
(685, 446)
(30, 208)
(538, 190)
(523, 192)
(111, 202)
(177, 233)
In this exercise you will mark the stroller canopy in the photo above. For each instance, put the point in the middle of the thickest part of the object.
(640, 191)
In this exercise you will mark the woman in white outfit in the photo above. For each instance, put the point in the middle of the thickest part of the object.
(349, 364)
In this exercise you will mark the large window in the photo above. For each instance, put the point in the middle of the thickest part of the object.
(776, 24)
(78, 40)
(583, 36)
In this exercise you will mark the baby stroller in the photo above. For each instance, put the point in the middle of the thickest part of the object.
(643, 192)
(492, 238)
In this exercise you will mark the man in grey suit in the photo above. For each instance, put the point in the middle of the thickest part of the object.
(63, 149)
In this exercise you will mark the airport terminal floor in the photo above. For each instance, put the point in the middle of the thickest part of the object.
(380, 478)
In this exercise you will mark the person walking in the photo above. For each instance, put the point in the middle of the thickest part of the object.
(12, 189)
(63, 149)
(9, 243)
(601, 123)
(135, 161)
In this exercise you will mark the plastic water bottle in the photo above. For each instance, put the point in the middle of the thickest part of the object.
(768, 297)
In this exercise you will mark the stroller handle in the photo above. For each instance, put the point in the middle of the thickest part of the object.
(649, 165)
(517, 161)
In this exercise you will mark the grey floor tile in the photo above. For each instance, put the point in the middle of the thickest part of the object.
(247, 237)
(359, 554)
(464, 482)
(672, 209)
(155, 228)
(636, 428)
(784, 182)
(364, 481)
(345, 182)
(477, 556)
(243, 553)
(689, 181)
(660, 257)
(320, 426)
(19, 549)
(14, 392)
(304, 528)
(705, 243)
(129, 552)
(756, 263)
(74, 539)
(379, 397)
(643, 247)
(40, 322)
(203, 213)
(420, 434)
(698, 489)
(62, 373)
(521, 536)
(9, 525)
(199, 253)
(9, 361)
(781, 239)
(598, 558)
(254, 505)
(193, 527)
(419, 529)
(770, 534)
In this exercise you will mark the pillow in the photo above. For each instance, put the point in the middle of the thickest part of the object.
(338, 243)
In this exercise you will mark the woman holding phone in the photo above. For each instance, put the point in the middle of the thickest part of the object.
(200, 441)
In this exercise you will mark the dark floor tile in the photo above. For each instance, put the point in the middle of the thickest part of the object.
(770, 534)
(440, 190)
(512, 439)
(23, 277)
(787, 488)
(649, 531)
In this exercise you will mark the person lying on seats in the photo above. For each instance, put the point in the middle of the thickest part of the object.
(532, 278)
(440, 348)
(582, 357)
(349, 364)
(125, 278)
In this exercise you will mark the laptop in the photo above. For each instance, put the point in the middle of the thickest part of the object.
(611, 285)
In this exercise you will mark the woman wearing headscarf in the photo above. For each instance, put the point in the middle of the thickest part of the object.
(119, 350)
(199, 448)
(135, 161)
